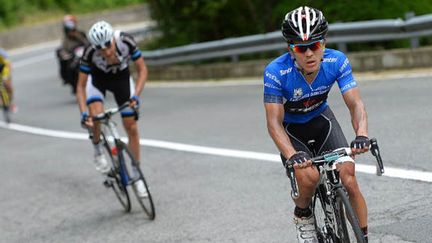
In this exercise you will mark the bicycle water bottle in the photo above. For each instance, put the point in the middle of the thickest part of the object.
(114, 151)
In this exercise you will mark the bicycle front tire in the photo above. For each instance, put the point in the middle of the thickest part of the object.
(349, 230)
(145, 202)
(114, 178)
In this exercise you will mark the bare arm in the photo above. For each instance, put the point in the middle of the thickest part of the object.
(274, 115)
(80, 92)
(141, 77)
(357, 110)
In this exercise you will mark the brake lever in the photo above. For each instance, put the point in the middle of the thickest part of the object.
(375, 152)
(291, 175)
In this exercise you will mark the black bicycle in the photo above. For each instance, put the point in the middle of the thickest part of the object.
(123, 164)
(330, 205)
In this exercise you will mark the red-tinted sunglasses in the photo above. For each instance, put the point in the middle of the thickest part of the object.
(302, 48)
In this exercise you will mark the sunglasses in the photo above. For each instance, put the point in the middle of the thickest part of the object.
(302, 48)
(106, 45)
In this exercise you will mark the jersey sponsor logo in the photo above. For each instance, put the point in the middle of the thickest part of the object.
(284, 72)
(348, 86)
(305, 109)
(272, 86)
(330, 59)
(272, 77)
(344, 65)
(324, 87)
(298, 93)
(345, 73)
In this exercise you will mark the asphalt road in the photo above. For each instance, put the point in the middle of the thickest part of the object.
(50, 191)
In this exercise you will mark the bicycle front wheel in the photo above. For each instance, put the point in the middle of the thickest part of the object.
(325, 224)
(348, 230)
(145, 202)
(114, 179)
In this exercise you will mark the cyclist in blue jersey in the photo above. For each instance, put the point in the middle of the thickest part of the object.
(296, 86)
(104, 66)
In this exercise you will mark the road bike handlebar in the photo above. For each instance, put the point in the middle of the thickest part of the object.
(109, 112)
(105, 115)
(330, 158)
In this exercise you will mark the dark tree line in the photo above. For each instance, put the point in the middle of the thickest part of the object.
(192, 21)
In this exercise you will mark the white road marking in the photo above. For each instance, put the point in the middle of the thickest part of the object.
(369, 169)
(33, 60)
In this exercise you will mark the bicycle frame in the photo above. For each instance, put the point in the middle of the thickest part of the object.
(109, 127)
(332, 195)
(121, 174)
(326, 189)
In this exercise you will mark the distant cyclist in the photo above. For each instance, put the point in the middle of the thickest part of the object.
(296, 86)
(105, 67)
(73, 43)
(6, 78)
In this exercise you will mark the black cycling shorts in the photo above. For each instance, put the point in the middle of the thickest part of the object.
(120, 84)
(324, 130)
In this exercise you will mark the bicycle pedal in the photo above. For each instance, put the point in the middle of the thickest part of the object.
(107, 183)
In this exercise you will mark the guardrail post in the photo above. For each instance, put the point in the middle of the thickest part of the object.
(414, 41)
(234, 58)
(342, 47)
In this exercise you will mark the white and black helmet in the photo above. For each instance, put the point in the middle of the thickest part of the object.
(304, 23)
(100, 34)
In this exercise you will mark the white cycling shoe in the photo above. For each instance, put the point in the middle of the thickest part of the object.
(306, 230)
(140, 188)
(101, 164)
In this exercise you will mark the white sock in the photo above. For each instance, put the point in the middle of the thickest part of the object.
(98, 148)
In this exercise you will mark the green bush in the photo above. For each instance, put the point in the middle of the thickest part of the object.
(13, 12)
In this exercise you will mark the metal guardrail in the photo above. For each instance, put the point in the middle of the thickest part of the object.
(339, 33)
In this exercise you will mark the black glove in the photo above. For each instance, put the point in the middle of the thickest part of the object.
(299, 157)
(360, 142)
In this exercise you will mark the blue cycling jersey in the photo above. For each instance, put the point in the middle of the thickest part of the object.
(304, 101)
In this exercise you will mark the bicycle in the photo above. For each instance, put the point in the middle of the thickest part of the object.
(5, 102)
(123, 164)
(330, 203)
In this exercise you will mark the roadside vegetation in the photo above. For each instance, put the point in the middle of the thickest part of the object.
(24, 12)
(193, 21)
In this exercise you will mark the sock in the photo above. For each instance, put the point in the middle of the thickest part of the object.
(365, 233)
(302, 212)
(135, 171)
(98, 148)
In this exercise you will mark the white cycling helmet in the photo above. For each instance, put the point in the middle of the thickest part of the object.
(100, 34)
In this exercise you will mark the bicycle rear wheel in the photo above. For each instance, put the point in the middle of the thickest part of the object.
(6, 114)
(114, 178)
(348, 230)
(5, 104)
(145, 202)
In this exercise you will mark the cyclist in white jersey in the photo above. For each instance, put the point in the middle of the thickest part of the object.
(105, 66)
(296, 86)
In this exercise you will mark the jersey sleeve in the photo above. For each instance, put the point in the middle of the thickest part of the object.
(85, 62)
(344, 77)
(272, 86)
(134, 51)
